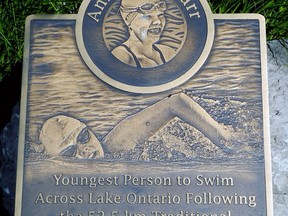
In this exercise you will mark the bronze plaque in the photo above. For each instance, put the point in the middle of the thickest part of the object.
(144, 108)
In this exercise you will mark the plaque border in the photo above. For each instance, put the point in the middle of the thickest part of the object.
(265, 101)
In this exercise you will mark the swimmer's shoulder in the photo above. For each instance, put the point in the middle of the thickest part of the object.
(124, 55)
(167, 51)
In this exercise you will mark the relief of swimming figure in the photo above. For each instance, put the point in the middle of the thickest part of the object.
(145, 20)
(63, 135)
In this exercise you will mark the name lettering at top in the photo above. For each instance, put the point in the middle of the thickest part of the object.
(191, 8)
(100, 5)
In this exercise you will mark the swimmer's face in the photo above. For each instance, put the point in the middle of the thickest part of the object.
(147, 19)
(65, 136)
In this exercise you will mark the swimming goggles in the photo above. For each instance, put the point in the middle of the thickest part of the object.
(82, 138)
(146, 8)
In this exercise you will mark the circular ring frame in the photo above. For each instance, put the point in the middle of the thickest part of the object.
(145, 89)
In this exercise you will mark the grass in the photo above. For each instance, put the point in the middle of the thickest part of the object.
(12, 26)
(14, 12)
(274, 11)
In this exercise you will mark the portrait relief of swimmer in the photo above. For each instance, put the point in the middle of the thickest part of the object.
(145, 20)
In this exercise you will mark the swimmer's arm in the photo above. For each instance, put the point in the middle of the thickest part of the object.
(144, 124)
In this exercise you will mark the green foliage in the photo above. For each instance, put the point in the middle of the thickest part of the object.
(14, 12)
(12, 26)
(274, 11)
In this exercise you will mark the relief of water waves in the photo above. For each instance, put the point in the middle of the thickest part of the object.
(228, 87)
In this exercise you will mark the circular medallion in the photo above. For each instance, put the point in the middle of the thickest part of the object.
(144, 46)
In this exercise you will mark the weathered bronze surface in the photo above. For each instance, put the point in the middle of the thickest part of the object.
(144, 108)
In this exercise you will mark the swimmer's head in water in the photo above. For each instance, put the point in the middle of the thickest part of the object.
(66, 136)
(145, 18)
